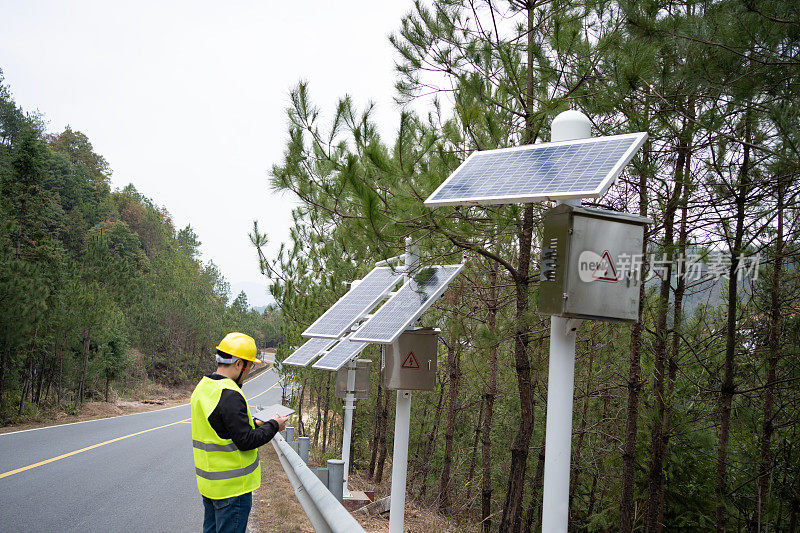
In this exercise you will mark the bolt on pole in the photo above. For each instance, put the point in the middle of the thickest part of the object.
(566, 126)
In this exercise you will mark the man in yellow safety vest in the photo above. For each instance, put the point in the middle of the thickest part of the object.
(226, 438)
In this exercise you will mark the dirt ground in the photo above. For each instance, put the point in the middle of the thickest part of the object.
(277, 510)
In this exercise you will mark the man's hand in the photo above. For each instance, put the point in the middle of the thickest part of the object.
(281, 420)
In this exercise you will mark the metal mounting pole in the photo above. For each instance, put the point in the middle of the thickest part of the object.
(402, 423)
(561, 377)
(558, 435)
(349, 407)
(402, 426)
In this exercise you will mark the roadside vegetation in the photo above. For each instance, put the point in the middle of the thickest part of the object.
(100, 295)
(685, 421)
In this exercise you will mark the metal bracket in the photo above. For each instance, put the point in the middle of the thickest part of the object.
(572, 325)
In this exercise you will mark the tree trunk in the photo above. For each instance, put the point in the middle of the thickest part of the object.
(634, 382)
(774, 348)
(418, 459)
(384, 425)
(376, 432)
(37, 398)
(319, 414)
(301, 429)
(26, 385)
(85, 362)
(429, 450)
(453, 364)
(60, 370)
(512, 509)
(677, 317)
(536, 503)
(486, 437)
(474, 457)
(727, 390)
(575, 463)
(515, 493)
(325, 414)
(4, 352)
(655, 494)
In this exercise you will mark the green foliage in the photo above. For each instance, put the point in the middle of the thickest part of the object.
(87, 274)
(714, 84)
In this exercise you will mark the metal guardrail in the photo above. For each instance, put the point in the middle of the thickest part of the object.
(323, 508)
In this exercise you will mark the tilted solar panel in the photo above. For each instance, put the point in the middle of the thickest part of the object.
(340, 355)
(402, 309)
(308, 351)
(354, 304)
(583, 168)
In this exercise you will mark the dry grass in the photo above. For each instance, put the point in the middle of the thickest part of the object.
(137, 397)
(91, 411)
(277, 508)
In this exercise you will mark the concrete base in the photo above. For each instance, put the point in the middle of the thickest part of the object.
(378, 507)
(357, 500)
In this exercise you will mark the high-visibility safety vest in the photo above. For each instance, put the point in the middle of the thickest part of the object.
(223, 471)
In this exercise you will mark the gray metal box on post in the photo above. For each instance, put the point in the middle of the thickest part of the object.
(591, 264)
(410, 362)
(362, 380)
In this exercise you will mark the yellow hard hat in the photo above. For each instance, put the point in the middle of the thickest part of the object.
(238, 345)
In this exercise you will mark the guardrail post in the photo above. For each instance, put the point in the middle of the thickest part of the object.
(318, 522)
(302, 449)
(290, 438)
(336, 478)
(323, 508)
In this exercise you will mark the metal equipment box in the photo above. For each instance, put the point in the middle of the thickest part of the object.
(410, 362)
(591, 265)
(362, 380)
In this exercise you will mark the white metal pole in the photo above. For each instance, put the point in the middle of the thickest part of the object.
(349, 407)
(402, 423)
(558, 436)
(561, 377)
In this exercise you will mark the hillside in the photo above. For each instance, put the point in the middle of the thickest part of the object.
(87, 274)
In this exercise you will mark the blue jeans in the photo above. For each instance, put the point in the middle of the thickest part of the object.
(228, 515)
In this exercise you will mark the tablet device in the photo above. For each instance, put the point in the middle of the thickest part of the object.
(272, 411)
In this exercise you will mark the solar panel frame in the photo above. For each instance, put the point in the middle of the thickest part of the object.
(340, 354)
(309, 351)
(337, 328)
(388, 309)
(604, 182)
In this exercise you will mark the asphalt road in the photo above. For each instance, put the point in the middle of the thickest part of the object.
(127, 473)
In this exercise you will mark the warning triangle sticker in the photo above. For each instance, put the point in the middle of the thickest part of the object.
(605, 271)
(410, 362)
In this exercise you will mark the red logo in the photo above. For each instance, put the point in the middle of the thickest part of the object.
(410, 362)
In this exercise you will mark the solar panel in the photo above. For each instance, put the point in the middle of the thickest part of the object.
(353, 305)
(307, 352)
(402, 309)
(340, 355)
(582, 168)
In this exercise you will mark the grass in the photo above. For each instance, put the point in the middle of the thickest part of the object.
(277, 509)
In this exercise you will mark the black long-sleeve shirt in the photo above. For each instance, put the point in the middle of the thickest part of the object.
(229, 419)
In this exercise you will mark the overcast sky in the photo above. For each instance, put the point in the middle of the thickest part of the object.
(187, 99)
